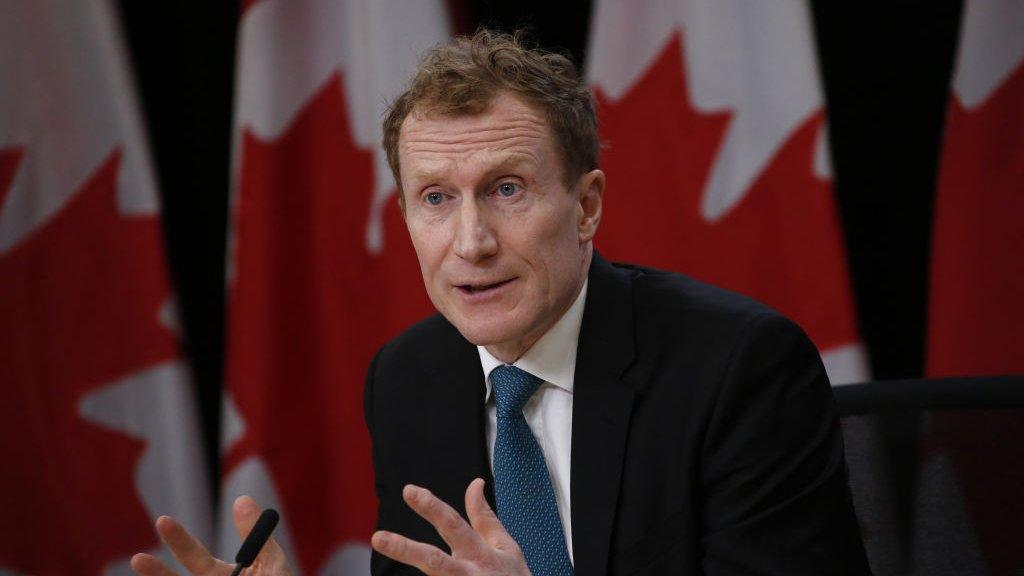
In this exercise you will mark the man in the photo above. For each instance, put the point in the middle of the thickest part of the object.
(585, 417)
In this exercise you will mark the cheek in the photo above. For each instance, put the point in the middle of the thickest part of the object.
(429, 245)
(565, 255)
(555, 255)
(558, 239)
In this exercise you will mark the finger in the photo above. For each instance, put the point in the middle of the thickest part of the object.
(245, 512)
(147, 565)
(463, 541)
(192, 555)
(429, 559)
(483, 519)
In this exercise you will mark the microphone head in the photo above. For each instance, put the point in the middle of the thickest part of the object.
(257, 537)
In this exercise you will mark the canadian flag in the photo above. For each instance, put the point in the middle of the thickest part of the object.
(98, 433)
(322, 271)
(976, 306)
(717, 157)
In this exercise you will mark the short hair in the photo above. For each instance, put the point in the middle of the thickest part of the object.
(463, 76)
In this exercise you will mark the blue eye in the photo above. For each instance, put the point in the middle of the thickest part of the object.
(434, 198)
(508, 188)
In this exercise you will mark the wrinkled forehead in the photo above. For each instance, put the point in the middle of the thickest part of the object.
(506, 127)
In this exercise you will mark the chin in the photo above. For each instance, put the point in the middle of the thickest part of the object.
(485, 325)
(486, 329)
(483, 333)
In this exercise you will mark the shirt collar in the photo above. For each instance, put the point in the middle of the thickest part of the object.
(553, 357)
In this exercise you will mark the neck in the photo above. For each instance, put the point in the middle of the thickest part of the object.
(509, 352)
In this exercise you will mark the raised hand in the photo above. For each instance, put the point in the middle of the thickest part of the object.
(481, 547)
(198, 561)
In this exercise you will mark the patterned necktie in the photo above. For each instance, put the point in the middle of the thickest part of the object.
(522, 486)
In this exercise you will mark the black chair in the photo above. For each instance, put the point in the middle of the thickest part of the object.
(937, 474)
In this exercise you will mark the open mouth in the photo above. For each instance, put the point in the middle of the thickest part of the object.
(478, 288)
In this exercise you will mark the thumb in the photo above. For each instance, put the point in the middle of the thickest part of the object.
(483, 519)
(245, 512)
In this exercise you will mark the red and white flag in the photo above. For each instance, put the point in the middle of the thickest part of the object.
(98, 433)
(322, 271)
(971, 463)
(717, 157)
(976, 306)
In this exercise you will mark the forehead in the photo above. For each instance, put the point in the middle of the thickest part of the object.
(507, 127)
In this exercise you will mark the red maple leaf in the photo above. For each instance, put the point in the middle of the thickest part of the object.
(781, 244)
(79, 307)
(976, 307)
(308, 308)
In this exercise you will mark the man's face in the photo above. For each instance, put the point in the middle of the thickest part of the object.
(503, 245)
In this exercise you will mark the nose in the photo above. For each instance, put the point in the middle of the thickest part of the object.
(474, 237)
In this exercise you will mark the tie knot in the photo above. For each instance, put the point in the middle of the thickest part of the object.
(512, 389)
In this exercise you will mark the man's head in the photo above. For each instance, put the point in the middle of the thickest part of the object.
(462, 77)
(495, 150)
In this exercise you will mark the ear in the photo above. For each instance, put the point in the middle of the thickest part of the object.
(590, 194)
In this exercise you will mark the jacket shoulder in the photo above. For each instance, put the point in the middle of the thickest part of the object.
(698, 324)
(424, 347)
(670, 299)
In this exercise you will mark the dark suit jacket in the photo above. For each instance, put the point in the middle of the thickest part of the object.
(704, 436)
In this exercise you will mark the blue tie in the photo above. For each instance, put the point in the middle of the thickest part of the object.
(522, 486)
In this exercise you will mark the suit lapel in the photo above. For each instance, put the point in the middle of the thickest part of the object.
(602, 404)
(455, 408)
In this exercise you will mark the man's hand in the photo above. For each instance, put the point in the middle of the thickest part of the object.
(482, 547)
(199, 562)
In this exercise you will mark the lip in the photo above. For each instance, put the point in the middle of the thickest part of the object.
(478, 293)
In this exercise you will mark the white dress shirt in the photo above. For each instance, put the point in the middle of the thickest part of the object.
(549, 410)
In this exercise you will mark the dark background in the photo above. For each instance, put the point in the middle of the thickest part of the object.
(886, 68)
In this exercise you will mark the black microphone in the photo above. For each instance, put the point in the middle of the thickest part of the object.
(254, 542)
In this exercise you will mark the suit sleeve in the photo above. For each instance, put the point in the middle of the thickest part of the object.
(773, 469)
